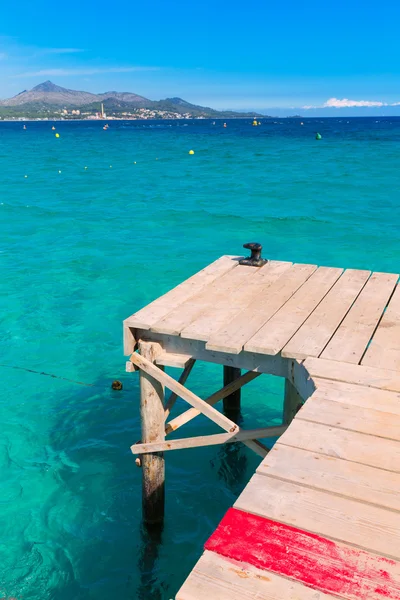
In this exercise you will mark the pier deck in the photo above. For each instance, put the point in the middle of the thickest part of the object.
(320, 519)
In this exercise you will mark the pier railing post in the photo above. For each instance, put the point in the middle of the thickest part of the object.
(291, 404)
(152, 421)
(232, 402)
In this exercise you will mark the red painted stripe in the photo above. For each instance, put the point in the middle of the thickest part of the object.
(317, 562)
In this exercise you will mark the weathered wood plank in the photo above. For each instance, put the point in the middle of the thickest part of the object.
(366, 526)
(233, 336)
(384, 350)
(223, 311)
(147, 316)
(172, 359)
(228, 389)
(152, 426)
(315, 333)
(169, 382)
(352, 337)
(314, 560)
(218, 578)
(273, 336)
(353, 418)
(380, 378)
(353, 480)
(219, 290)
(347, 445)
(209, 440)
(357, 395)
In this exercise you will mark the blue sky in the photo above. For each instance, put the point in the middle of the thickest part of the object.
(254, 55)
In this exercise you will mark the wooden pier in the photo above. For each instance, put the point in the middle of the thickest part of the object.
(320, 519)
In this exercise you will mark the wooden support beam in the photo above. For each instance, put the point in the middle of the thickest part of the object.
(182, 380)
(155, 372)
(291, 404)
(190, 414)
(232, 402)
(172, 359)
(152, 421)
(209, 440)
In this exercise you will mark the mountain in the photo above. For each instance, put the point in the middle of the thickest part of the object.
(48, 93)
(48, 99)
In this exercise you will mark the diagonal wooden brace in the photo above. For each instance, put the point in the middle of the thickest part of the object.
(182, 379)
(169, 382)
(208, 440)
(190, 414)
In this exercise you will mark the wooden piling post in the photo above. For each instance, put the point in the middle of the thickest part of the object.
(292, 403)
(232, 402)
(152, 419)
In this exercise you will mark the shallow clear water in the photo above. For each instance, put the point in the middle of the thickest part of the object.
(81, 250)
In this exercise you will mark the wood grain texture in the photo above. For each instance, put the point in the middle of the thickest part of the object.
(352, 337)
(315, 333)
(273, 336)
(150, 314)
(372, 422)
(347, 445)
(223, 311)
(209, 440)
(310, 558)
(219, 290)
(215, 577)
(369, 527)
(349, 479)
(383, 379)
(357, 395)
(384, 350)
(152, 425)
(234, 335)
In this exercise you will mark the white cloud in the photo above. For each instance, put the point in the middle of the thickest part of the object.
(83, 71)
(346, 103)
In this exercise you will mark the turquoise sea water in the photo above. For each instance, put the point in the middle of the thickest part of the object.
(81, 250)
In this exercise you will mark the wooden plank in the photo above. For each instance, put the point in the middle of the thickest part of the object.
(172, 359)
(183, 393)
(271, 338)
(234, 335)
(218, 578)
(219, 290)
(366, 526)
(191, 413)
(182, 380)
(223, 311)
(209, 440)
(150, 314)
(307, 557)
(353, 418)
(312, 337)
(359, 482)
(357, 395)
(384, 350)
(383, 379)
(352, 337)
(347, 445)
(247, 361)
